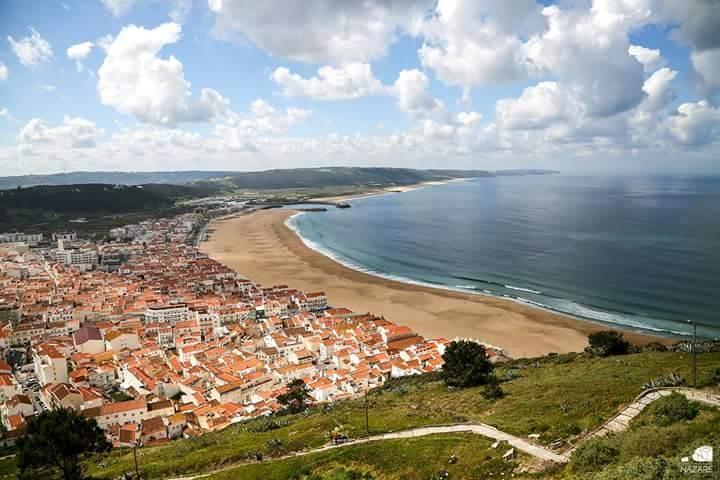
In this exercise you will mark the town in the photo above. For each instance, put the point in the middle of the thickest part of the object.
(155, 340)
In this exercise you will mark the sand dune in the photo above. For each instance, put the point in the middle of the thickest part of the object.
(262, 248)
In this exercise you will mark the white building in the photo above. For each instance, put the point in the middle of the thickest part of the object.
(167, 313)
(50, 365)
(84, 259)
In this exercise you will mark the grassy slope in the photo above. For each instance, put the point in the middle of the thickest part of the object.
(552, 398)
(419, 458)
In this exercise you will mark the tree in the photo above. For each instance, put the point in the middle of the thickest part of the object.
(607, 342)
(466, 364)
(58, 440)
(296, 399)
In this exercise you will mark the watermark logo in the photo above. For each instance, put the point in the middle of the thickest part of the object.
(702, 461)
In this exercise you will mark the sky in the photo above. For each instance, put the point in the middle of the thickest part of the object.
(574, 85)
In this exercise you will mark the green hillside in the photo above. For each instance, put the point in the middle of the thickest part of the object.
(46, 208)
(559, 398)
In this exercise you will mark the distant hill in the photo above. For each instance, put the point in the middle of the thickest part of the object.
(268, 179)
(114, 178)
(342, 176)
(93, 198)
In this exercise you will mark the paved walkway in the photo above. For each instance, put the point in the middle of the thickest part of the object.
(621, 420)
(617, 423)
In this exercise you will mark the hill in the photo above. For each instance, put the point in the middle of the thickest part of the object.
(113, 178)
(268, 179)
(559, 398)
(46, 208)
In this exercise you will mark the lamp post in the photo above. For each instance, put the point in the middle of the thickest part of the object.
(693, 352)
(137, 468)
(367, 417)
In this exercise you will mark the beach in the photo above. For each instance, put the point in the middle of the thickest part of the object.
(262, 248)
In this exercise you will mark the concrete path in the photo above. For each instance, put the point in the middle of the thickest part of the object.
(617, 423)
(476, 428)
(621, 420)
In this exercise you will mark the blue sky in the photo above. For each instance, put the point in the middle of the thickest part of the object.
(223, 84)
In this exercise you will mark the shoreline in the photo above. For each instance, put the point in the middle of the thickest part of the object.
(519, 300)
(263, 248)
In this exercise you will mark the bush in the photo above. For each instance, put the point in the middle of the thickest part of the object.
(716, 377)
(607, 342)
(671, 409)
(493, 391)
(672, 380)
(466, 364)
(652, 441)
(595, 454)
(641, 469)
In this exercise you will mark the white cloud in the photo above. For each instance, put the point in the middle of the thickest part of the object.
(33, 50)
(707, 65)
(651, 59)
(245, 133)
(47, 87)
(538, 107)
(318, 31)
(695, 124)
(413, 95)
(696, 25)
(4, 72)
(476, 42)
(75, 132)
(80, 52)
(5, 113)
(586, 52)
(657, 88)
(349, 81)
(135, 81)
(118, 7)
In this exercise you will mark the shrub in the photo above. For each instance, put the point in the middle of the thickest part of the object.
(671, 409)
(493, 391)
(641, 469)
(652, 441)
(672, 380)
(595, 454)
(607, 342)
(716, 376)
(466, 364)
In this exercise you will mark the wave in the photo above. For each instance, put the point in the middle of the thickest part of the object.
(528, 290)
(626, 320)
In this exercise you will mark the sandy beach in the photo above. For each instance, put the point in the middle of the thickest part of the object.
(261, 247)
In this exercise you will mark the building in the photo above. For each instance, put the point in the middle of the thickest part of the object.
(121, 339)
(118, 413)
(171, 314)
(10, 313)
(18, 237)
(84, 259)
(88, 340)
(50, 365)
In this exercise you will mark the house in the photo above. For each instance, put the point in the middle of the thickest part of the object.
(88, 340)
(61, 395)
(153, 429)
(176, 425)
(17, 405)
(50, 364)
(8, 387)
(121, 339)
(129, 411)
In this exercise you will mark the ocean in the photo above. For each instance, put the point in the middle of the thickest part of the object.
(638, 252)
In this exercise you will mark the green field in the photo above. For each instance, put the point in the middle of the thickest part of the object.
(557, 397)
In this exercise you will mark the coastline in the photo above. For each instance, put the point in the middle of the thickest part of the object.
(263, 248)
